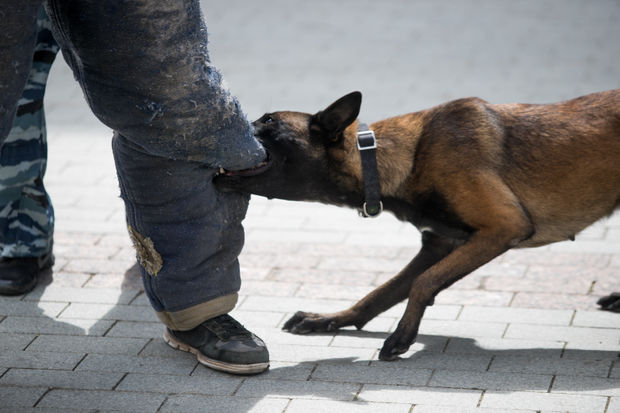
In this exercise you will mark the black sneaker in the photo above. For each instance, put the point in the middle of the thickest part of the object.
(222, 343)
(18, 275)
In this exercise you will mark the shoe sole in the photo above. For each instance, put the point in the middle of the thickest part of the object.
(241, 369)
(8, 291)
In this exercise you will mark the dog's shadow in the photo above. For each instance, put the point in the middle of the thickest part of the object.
(444, 365)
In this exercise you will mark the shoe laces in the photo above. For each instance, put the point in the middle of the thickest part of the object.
(226, 327)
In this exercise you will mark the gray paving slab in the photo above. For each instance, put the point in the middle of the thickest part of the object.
(44, 325)
(419, 395)
(503, 346)
(84, 380)
(537, 363)
(86, 344)
(516, 315)
(17, 397)
(136, 329)
(375, 374)
(138, 364)
(587, 385)
(9, 341)
(39, 360)
(298, 389)
(223, 385)
(108, 312)
(545, 401)
(329, 406)
(454, 409)
(431, 360)
(490, 381)
(102, 400)
(197, 404)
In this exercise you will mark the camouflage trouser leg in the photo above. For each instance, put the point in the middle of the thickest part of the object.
(26, 214)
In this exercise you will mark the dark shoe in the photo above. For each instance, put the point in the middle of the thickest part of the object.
(18, 275)
(222, 343)
(610, 302)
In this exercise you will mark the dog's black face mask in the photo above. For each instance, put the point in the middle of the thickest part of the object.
(297, 145)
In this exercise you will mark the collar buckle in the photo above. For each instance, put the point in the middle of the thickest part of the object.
(366, 140)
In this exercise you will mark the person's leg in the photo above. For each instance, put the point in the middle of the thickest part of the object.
(26, 214)
(145, 72)
(18, 23)
(187, 237)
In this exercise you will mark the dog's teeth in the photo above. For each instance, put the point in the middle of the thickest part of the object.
(222, 170)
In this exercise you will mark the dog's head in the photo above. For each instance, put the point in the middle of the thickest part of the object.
(299, 166)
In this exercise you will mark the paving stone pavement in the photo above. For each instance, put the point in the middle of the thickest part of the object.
(521, 334)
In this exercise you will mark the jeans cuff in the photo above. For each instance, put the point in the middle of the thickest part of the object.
(191, 317)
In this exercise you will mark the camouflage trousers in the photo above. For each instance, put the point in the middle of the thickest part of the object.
(26, 213)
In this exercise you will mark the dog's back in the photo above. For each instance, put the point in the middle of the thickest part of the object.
(563, 161)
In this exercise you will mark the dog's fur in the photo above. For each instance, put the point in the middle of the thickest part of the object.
(477, 179)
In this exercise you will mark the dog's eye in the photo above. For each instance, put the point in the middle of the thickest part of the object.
(267, 119)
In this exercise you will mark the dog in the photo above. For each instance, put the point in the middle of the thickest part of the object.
(476, 179)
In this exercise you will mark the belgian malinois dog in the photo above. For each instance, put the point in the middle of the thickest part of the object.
(477, 179)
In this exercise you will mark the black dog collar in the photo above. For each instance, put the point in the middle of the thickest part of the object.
(367, 145)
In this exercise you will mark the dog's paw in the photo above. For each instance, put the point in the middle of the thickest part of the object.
(395, 345)
(610, 302)
(304, 323)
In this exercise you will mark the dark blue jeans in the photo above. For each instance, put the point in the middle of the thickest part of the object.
(145, 72)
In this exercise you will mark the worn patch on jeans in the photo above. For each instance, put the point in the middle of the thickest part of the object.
(148, 257)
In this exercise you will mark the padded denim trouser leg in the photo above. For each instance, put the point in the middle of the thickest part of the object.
(145, 72)
(187, 235)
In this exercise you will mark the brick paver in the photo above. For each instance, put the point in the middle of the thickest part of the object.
(521, 334)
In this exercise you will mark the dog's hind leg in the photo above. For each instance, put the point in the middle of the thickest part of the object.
(434, 248)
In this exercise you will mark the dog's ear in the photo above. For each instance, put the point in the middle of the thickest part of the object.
(331, 122)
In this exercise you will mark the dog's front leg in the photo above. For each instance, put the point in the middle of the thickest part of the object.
(393, 291)
(501, 223)
(480, 249)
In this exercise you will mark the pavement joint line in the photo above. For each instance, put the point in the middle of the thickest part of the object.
(135, 298)
(150, 340)
(445, 347)
(68, 304)
(551, 383)
(105, 333)
(316, 366)
(490, 363)
(430, 378)
(119, 382)
(163, 402)
(480, 399)
(506, 330)
(359, 390)
(512, 299)
(79, 362)
(288, 404)
(31, 341)
(607, 405)
(591, 289)
(572, 318)
(611, 367)
(90, 277)
(49, 389)
(234, 392)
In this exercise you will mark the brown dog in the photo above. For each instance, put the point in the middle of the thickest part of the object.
(476, 179)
